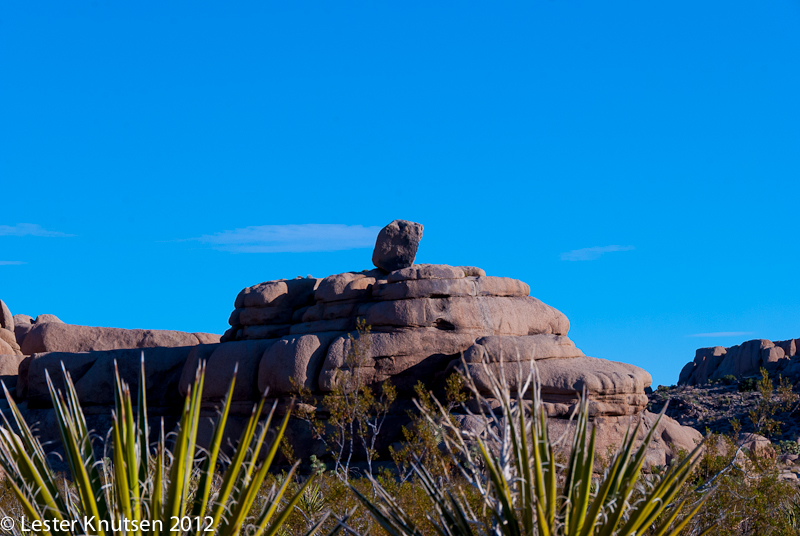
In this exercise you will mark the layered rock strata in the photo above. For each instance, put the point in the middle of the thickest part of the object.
(426, 321)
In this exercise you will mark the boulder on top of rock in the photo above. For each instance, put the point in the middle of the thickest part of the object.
(59, 337)
(6, 319)
(397, 245)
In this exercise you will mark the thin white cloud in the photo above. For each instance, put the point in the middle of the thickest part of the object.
(11, 263)
(722, 334)
(592, 254)
(29, 229)
(292, 238)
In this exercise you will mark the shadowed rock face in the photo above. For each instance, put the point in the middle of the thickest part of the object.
(745, 359)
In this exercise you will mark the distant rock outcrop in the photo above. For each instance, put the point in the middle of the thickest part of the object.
(745, 359)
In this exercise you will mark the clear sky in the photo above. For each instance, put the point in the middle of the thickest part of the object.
(635, 162)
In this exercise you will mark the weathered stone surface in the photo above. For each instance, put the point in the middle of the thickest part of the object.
(44, 319)
(614, 388)
(789, 346)
(442, 288)
(10, 339)
(58, 337)
(485, 315)
(221, 360)
(339, 324)
(427, 271)
(347, 286)
(294, 357)
(93, 375)
(472, 271)
(6, 319)
(9, 371)
(22, 319)
(207, 338)
(284, 293)
(405, 356)
(264, 332)
(6, 348)
(256, 316)
(396, 246)
(669, 439)
(526, 348)
(335, 310)
(21, 331)
(757, 445)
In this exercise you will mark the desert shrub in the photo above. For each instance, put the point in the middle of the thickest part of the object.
(748, 384)
(150, 488)
(746, 497)
(770, 403)
(728, 379)
(356, 411)
(522, 488)
(787, 447)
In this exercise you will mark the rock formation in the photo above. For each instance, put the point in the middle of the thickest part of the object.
(745, 359)
(424, 319)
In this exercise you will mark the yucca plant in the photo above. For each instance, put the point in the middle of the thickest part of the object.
(169, 489)
(524, 489)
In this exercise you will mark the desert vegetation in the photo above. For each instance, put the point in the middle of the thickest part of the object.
(511, 478)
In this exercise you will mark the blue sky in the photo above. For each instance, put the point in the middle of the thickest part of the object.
(635, 162)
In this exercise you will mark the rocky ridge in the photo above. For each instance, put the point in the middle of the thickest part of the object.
(424, 320)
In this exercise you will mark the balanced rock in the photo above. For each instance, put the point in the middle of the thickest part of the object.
(397, 245)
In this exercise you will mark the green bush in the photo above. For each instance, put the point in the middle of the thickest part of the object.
(748, 384)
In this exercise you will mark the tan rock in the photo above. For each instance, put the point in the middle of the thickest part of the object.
(294, 360)
(221, 360)
(394, 353)
(347, 286)
(283, 293)
(6, 319)
(440, 288)
(10, 339)
(485, 315)
(58, 337)
(6, 348)
(758, 446)
(523, 348)
(22, 319)
(614, 388)
(668, 441)
(44, 319)
(428, 271)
